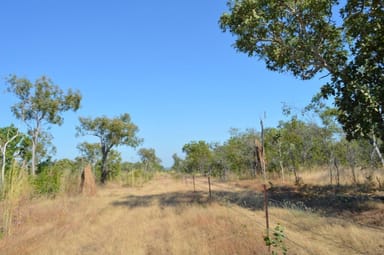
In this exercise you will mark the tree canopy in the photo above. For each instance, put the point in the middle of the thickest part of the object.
(149, 159)
(112, 132)
(308, 38)
(40, 103)
(198, 156)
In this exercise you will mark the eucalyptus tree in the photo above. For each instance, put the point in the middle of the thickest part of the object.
(149, 159)
(39, 104)
(112, 132)
(308, 38)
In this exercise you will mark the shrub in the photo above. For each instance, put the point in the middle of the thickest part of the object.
(48, 181)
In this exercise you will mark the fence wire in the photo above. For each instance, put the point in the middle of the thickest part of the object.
(292, 207)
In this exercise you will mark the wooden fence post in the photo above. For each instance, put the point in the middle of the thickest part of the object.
(266, 210)
(209, 185)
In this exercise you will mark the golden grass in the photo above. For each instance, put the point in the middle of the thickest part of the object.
(321, 176)
(309, 233)
(165, 216)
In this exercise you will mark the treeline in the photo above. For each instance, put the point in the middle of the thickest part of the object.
(295, 145)
(40, 105)
(63, 175)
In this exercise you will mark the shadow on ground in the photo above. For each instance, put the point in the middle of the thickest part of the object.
(171, 199)
(328, 200)
(249, 199)
(325, 200)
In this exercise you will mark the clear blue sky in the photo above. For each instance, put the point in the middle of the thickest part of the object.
(166, 63)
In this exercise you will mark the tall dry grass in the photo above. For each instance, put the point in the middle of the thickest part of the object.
(14, 189)
(321, 176)
(165, 216)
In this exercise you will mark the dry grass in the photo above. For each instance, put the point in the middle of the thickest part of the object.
(165, 216)
(309, 233)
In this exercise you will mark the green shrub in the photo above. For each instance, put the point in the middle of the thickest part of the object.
(48, 181)
(276, 241)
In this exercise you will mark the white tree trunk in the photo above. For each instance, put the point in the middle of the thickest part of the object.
(377, 150)
(3, 152)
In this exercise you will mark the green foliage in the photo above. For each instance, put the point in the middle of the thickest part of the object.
(294, 144)
(307, 38)
(91, 152)
(177, 163)
(238, 152)
(13, 144)
(113, 165)
(277, 241)
(40, 103)
(149, 159)
(111, 132)
(198, 157)
(48, 180)
(291, 36)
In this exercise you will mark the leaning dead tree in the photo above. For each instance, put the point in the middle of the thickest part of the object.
(259, 157)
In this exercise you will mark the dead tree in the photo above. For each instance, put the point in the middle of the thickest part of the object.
(259, 157)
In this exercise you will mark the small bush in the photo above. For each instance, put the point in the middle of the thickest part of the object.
(48, 181)
(276, 241)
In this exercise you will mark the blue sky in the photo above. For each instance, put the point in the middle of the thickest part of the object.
(166, 63)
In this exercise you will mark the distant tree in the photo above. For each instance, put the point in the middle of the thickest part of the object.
(306, 38)
(40, 103)
(240, 152)
(91, 152)
(149, 159)
(112, 133)
(198, 156)
(220, 163)
(177, 163)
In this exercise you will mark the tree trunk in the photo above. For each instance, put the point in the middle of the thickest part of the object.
(376, 147)
(104, 170)
(4, 149)
(330, 172)
(33, 169)
(254, 163)
(194, 186)
(353, 173)
(209, 186)
(337, 171)
(281, 163)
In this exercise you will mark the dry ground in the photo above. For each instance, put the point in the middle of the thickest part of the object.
(165, 216)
